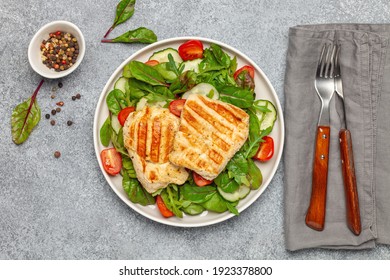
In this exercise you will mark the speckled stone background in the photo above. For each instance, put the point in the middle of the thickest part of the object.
(63, 208)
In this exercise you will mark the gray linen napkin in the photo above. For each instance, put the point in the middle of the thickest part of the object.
(365, 66)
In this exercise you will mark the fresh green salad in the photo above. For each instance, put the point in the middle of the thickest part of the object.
(166, 80)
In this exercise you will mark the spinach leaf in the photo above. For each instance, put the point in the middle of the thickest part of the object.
(230, 206)
(197, 195)
(135, 192)
(139, 35)
(226, 183)
(146, 73)
(193, 209)
(254, 175)
(216, 203)
(124, 11)
(25, 117)
(105, 132)
(222, 57)
(117, 100)
(153, 94)
(237, 96)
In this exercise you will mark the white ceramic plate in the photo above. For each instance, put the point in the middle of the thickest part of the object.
(263, 89)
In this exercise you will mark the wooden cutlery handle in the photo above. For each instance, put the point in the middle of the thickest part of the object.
(351, 194)
(315, 217)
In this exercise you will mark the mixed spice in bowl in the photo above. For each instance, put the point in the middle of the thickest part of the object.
(56, 50)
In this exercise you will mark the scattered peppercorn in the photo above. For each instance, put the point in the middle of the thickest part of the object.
(78, 96)
(47, 116)
(53, 96)
(58, 109)
(52, 122)
(69, 123)
(53, 112)
(56, 54)
(57, 154)
(73, 98)
(60, 84)
(61, 103)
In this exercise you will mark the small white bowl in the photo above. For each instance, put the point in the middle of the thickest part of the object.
(34, 50)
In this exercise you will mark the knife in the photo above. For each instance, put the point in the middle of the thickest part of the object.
(346, 153)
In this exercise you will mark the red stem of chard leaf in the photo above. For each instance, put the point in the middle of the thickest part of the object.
(107, 41)
(108, 31)
(33, 97)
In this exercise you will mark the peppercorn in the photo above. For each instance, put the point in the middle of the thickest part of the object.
(53, 112)
(58, 109)
(69, 123)
(73, 98)
(52, 122)
(60, 85)
(47, 116)
(60, 49)
(57, 154)
(78, 96)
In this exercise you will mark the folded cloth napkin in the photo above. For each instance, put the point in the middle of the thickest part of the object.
(365, 68)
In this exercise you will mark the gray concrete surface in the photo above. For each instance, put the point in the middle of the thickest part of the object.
(63, 208)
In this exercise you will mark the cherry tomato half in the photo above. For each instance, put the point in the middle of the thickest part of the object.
(191, 49)
(163, 208)
(248, 68)
(200, 181)
(266, 149)
(176, 106)
(152, 62)
(111, 160)
(124, 113)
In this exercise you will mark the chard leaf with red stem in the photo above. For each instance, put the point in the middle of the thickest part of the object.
(124, 11)
(25, 117)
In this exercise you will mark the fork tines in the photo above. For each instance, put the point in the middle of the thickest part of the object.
(325, 66)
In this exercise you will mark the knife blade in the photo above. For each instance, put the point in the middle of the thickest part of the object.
(346, 154)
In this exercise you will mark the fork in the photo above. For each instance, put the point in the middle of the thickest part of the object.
(346, 153)
(324, 85)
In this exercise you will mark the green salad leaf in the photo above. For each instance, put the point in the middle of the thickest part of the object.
(139, 35)
(146, 73)
(105, 132)
(135, 192)
(25, 117)
(239, 97)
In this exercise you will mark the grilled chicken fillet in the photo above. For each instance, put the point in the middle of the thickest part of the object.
(148, 137)
(210, 133)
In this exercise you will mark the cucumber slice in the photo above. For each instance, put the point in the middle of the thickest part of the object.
(192, 65)
(241, 193)
(266, 119)
(116, 126)
(144, 102)
(162, 56)
(121, 84)
(203, 89)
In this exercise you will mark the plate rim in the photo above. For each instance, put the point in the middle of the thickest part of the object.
(104, 93)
